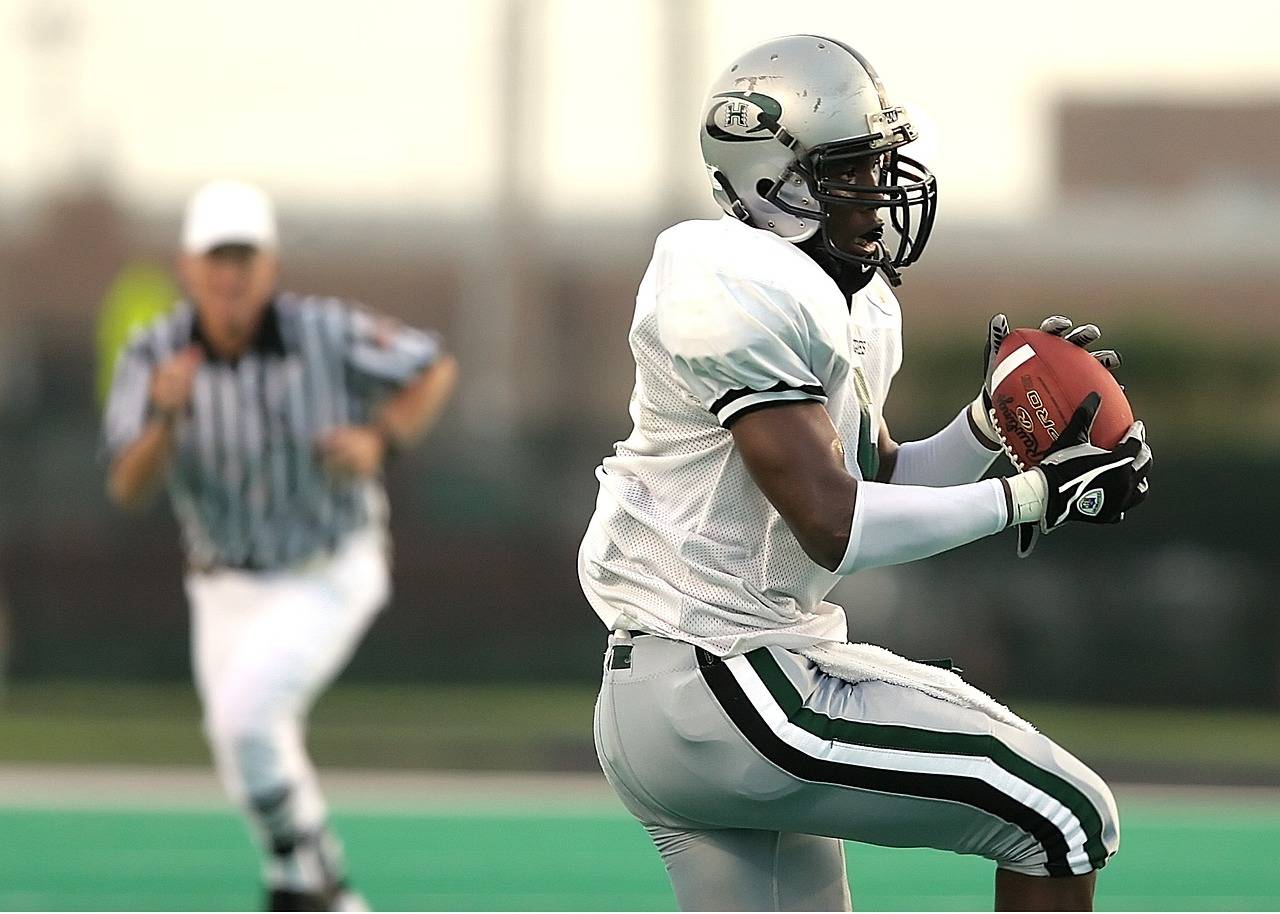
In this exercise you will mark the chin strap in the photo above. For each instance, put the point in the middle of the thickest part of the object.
(887, 268)
(850, 277)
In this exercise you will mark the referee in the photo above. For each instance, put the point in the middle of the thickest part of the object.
(269, 415)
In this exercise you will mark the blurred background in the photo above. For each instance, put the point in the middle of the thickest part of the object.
(497, 170)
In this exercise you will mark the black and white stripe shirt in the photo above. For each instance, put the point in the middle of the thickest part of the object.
(247, 482)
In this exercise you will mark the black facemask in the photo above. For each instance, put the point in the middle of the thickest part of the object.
(906, 189)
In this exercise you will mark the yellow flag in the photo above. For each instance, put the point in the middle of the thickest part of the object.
(140, 293)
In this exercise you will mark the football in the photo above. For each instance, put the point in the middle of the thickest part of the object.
(1038, 381)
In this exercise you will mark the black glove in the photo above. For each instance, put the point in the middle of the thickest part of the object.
(1086, 483)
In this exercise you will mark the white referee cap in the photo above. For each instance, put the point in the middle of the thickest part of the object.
(228, 212)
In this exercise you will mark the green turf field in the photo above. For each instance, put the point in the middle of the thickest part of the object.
(1177, 855)
(88, 822)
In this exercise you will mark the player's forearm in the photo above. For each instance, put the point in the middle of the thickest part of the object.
(953, 456)
(893, 524)
(844, 524)
(407, 416)
(137, 472)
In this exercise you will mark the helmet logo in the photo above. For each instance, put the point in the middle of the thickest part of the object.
(741, 117)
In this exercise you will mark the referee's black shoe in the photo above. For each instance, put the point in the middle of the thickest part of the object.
(338, 898)
(289, 900)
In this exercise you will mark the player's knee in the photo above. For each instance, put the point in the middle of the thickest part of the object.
(1094, 806)
(1109, 816)
(239, 733)
(253, 742)
(1080, 835)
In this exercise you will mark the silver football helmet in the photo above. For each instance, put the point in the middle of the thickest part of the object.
(782, 129)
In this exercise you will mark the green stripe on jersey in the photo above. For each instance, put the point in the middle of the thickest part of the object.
(893, 736)
(868, 447)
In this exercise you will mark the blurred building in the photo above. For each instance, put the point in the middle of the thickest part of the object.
(1167, 149)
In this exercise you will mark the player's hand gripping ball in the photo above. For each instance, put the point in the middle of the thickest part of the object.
(1038, 379)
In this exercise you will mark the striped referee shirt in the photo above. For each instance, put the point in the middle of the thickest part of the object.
(247, 482)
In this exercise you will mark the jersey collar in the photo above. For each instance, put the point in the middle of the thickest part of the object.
(266, 341)
(849, 278)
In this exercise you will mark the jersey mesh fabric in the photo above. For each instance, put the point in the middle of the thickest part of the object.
(683, 543)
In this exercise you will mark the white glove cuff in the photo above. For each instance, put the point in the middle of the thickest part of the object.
(1029, 497)
(980, 422)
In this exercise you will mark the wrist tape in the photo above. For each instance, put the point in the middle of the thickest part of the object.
(980, 421)
(1028, 496)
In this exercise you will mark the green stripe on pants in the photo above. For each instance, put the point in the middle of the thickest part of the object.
(891, 736)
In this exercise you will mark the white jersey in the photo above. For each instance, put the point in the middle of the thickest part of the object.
(683, 543)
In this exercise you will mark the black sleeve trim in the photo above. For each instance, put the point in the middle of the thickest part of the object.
(813, 390)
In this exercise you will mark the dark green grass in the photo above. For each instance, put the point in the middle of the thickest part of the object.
(529, 726)
(1175, 857)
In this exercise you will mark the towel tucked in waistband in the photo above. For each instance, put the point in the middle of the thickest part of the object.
(866, 662)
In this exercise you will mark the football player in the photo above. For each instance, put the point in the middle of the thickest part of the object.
(735, 720)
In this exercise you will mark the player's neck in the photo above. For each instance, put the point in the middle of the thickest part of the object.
(849, 278)
(225, 342)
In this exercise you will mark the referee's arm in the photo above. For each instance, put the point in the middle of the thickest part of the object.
(411, 361)
(141, 415)
(407, 416)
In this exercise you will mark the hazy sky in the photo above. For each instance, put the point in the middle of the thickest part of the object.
(394, 104)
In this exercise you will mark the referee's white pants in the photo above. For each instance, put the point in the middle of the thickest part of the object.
(264, 644)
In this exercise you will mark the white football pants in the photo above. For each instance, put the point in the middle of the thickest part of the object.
(264, 644)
